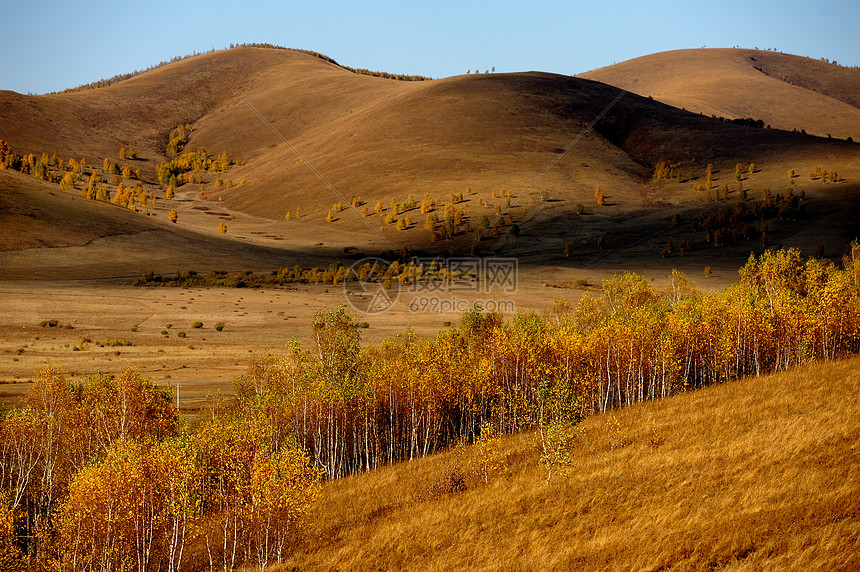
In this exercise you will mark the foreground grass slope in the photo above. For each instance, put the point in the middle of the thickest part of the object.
(759, 474)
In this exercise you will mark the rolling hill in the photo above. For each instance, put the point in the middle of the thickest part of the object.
(785, 91)
(524, 150)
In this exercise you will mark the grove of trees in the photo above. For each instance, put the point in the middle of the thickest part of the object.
(98, 475)
(356, 408)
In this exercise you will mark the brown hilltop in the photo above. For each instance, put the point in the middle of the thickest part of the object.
(380, 139)
(479, 135)
(139, 111)
(786, 91)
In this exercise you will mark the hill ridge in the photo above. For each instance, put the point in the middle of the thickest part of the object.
(790, 92)
(465, 147)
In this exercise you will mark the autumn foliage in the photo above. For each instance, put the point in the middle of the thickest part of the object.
(355, 408)
(96, 475)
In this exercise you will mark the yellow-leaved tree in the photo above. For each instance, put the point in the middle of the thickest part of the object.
(488, 458)
(257, 488)
(283, 488)
(10, 555)
(129, 508)
(558, 411)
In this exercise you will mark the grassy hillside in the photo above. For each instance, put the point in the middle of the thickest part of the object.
(35, 213)
(383, 140)
(138, 112)
(759, 474)
(46, 234)
(788, 92)
(491, 144)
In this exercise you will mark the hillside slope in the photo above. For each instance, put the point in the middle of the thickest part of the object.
(785, 91)
(379, 139)
(493, 145)
(35, 213)
(759, 474)
(138, 112)
(46, 233)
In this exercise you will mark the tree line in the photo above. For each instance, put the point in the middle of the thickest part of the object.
(356, 408)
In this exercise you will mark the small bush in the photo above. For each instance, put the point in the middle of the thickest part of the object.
(197, 325)
(49, 323)
(451, 481)
(219, 326)
(655, 438)
(180, 335)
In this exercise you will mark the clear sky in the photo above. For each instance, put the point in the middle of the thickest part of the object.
(49, 46)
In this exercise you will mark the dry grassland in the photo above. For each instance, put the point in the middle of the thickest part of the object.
(760, 474)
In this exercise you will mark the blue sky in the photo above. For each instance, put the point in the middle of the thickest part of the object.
(54, 45)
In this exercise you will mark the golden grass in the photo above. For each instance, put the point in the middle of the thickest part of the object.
(760, 474)
(791, 92)
(382, 140)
